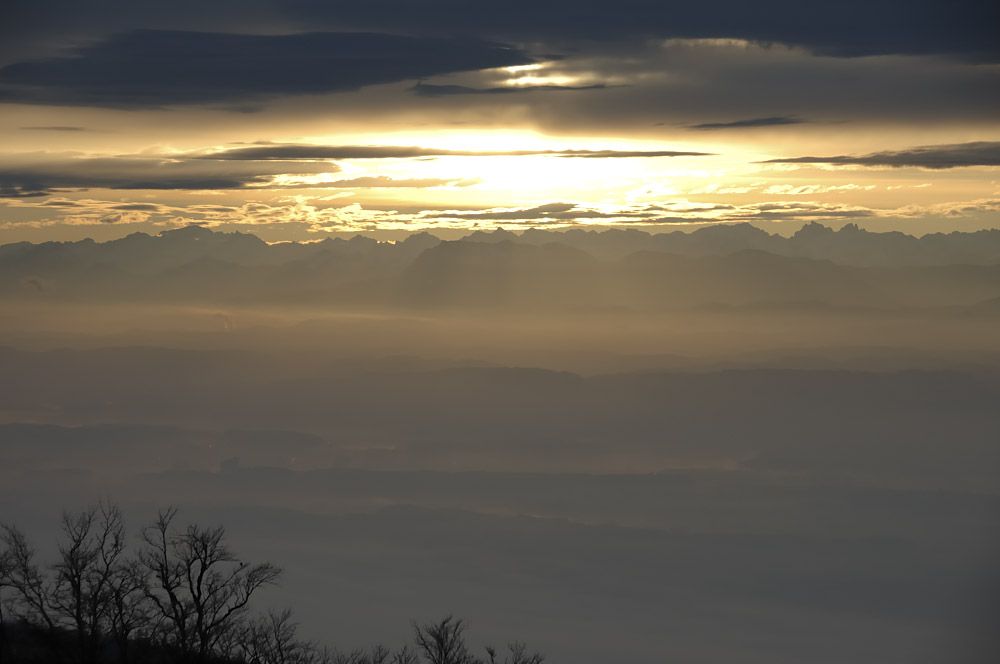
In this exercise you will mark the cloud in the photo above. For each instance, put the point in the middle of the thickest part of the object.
(430, 90)
(798, 211)
(24, 185)
(272, 167)
(547, 211)
(773, 121)
(257, 167)
(846, 29)
(623, 154)
(141, 207)
(316, 152)
(981, 153)
(61, 203)
(83, 211)
(155, 68)
(679, 82)
(312, 214)
(26, 189)
(124, 217)
(676, 85)
(558, 211)
(382, 181)
(41, 176)
(673, 212)
(950, 209)
(809, 189)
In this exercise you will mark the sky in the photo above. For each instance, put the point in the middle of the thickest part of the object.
(301, 119)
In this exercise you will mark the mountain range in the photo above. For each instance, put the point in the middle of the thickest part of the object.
(728, 265)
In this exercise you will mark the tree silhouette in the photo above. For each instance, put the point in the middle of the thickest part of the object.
(518, 654)
(184, 595)
(271, 639)
(89, 560)
(32, 588)
(443, 642)
(197, 584)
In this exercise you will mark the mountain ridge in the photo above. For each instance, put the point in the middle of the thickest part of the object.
(849, 245)
(736, 265)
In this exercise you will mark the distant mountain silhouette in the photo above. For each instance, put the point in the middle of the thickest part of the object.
(850, 245)
(465, 273)
(735, 265)
(501, 273)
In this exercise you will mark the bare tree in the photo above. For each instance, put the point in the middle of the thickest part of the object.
(4, 583)
(272, 639)
(351, 657)
(90, 559)
(443, 642)
(197, 584)
(130, 611)
(405, 656)
(32, 589)
(518, 654)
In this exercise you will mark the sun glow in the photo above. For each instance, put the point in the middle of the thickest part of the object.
(526, 177)
(516, 69)
(542, 80)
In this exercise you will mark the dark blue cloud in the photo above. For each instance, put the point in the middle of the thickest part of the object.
(979, 153)
(152, 68)
(63, 173)
(430, 90)
(247, 167)
(291, 151)
(744, 124)
(846, 28)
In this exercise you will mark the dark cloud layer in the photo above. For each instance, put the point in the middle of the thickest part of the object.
(152, 68)
(733, 83)
(847, 28)
(623, 154)
(980, 153)
(755, 122)
(557, 211)
(429, 90)
(382, 181)
(130, 172)
(28, 185)
(256, 166)
(184, 174)
(140, 207)
(316, 152)
(247, 167)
